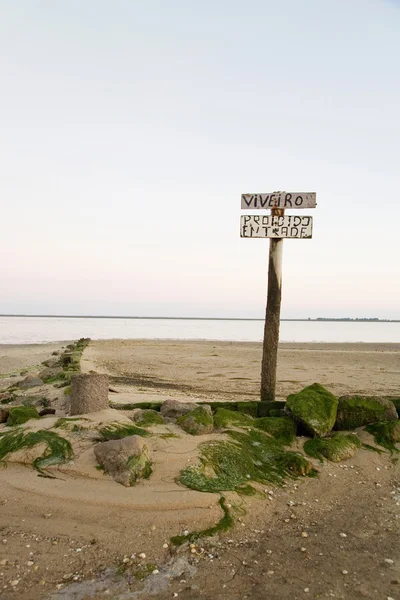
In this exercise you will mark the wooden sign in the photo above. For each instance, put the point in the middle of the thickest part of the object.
(270, 226)
(279, 200)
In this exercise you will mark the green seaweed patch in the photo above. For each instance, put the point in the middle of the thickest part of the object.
(149, 418)
(70, 423)
(225, 523)
(246, 456)
(144, 571)
(117, 431)
(140, 467)
(335, 448)
(144, 405)
(281, 428)
(58, 449)
(386, 434)
(19, 415)
(224, 418)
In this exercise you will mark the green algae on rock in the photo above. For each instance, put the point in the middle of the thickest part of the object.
(18, 415)
(198, 421)
(358, 411)
(315, 408)
(58, 449)
(149, 418)
(386, 434)
(224, 418)
(335, 448)
(281, 428)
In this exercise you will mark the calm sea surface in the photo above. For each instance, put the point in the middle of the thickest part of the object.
(30, 330)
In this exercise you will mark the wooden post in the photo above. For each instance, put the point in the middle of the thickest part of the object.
(272, 317)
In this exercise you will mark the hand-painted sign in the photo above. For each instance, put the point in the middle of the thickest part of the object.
(269, 226)
(279, 200)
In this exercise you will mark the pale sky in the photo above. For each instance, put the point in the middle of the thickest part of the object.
(130, 129)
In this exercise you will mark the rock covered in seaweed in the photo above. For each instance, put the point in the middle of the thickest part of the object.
(357, 411)
(18, 415)
(173, 409)
(315, 408)
(126, 460)
(335, 448)
(198, 421)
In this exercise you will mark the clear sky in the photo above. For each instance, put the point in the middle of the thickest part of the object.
(129, 130)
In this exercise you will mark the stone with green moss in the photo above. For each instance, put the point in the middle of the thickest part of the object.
(147, 418)
(358, 411)
(225, 418)
(18, 415)
(315, 408)
(386, 434)
(198, 421)
(126, 460)
(281, 428)
(337, 447)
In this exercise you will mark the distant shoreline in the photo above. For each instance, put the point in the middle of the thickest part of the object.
(318, 320)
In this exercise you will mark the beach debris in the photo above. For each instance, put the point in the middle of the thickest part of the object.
(358, 411)
(315, 408)
(89, 393)
(173, 409)
(29, 382)
(126, 460)
(198, 421)
(335, 448)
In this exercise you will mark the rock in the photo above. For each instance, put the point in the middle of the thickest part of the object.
(55, 353)
(47, 411)
(198, 421)
(172, 409)
(29, 382)
(21, 414)
(89, 393)
(357, 411)
(315, 408)
(337, 447)
(50, 373)
(126, 460)
(4, 414)
(51, 362)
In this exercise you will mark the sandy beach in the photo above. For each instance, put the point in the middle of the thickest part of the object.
(65, 538)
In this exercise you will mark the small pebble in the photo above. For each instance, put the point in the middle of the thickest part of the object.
(303, 549)
(126, 560)
(343, 535)
(155, 572)
(389, 561)
(30, 563)
(304, 534)
(344, 572)
(142, 555)
(306, 590)
(15, 582)
(165, 546)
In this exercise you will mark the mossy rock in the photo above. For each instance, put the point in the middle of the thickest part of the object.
(224, 418)
(198, 421)
(18, 415)
(147, 418)
(315, 408)
(358, 411)
(338, 447)
(396, 402)
(281, 428)
(386, 434)
(248, 408)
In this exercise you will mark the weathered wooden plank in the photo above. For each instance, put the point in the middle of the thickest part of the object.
(270, 226)
(279, 200)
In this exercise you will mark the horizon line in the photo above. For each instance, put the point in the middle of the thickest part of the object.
(319, 319)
